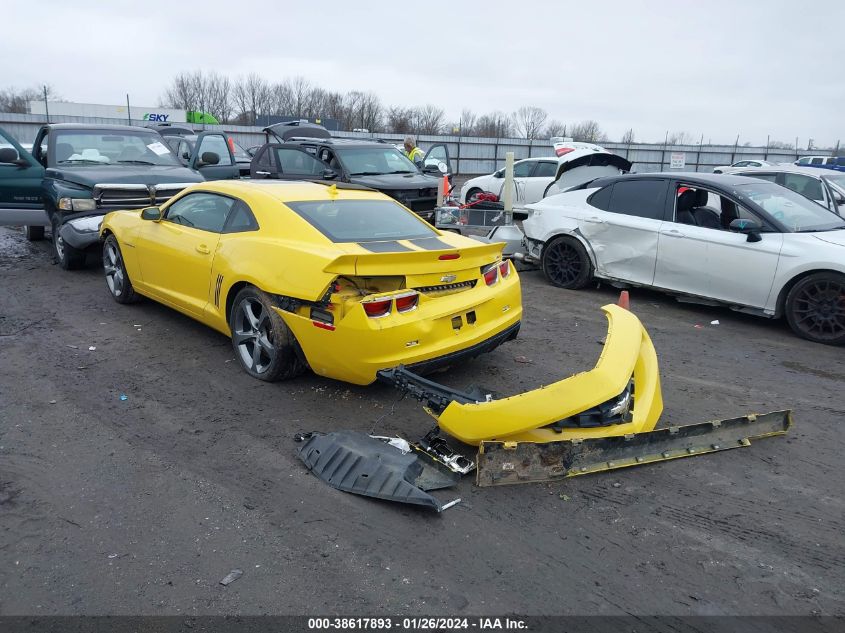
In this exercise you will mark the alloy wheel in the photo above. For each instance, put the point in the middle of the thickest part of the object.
(113, 267)
(563, 263)
(819, 310)
(253, 335)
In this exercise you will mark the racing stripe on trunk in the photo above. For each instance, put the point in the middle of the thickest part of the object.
(384, 247)
(432, 244)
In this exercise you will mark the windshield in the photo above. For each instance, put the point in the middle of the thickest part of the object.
(837, 179)
(372, 161)
(362, 220)
(240, 153)
(105, 148)
(791, 209)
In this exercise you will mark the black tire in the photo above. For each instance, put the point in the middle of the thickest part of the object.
(66, 256)
(117, 279)
(566, 264)
(472, 192)
(34, 233)
(263, 344)
(815, 308)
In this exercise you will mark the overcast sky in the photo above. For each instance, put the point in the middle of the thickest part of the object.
(717, 68)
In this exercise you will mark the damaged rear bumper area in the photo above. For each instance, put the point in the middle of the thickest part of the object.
(619, 396)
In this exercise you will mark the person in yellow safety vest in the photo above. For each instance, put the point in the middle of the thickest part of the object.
(414, 153)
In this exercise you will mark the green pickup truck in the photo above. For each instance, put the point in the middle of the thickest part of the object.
(76, 173)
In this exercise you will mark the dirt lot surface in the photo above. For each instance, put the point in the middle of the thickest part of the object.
(142, 505)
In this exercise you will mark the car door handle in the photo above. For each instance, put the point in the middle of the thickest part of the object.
(262, 173)
(595, 220)
(672, 233)
(202, 248)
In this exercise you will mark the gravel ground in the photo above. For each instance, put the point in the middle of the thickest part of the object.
(141, 506)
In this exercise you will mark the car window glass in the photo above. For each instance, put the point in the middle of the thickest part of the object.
(545, 169)
(523, 169)
(437, 157)
(697, 206)
(240, 219)
(42, 149)
(791, 209)
(362, 220)
(805, 185)
(217, 145)
(641, 198)
(816, 161)
(296, 162)
(742, 163)
(601, 198)
(205, 211)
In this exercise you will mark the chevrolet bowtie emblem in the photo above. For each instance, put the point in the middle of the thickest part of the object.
(447, 278)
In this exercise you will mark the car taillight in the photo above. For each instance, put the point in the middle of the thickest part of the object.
(377, 307)
(491, 274)
(560, 151)
(504, 269)
(406, 302)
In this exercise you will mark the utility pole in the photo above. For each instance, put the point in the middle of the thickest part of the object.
(46, 107)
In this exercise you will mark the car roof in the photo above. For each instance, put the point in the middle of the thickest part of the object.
(98, 128)
(291, 190)
(692, 177)
(792, 169)
(340, 142)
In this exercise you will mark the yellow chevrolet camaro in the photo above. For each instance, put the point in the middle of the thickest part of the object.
(340, 279)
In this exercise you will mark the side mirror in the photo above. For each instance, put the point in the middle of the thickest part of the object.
(208, 158)
(186, 155)
(838, 198)
(751, 228)
(431, 169)
(151, 213)
(499, 174)
(329, 174)
(8, 155)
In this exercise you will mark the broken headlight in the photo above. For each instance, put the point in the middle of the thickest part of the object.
(618, 410)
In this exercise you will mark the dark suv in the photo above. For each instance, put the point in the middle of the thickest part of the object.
(309, 153)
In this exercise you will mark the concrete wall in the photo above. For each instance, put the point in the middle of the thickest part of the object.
(472, 155)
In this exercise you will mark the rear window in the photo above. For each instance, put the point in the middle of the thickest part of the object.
(642, 198)
(362, 220)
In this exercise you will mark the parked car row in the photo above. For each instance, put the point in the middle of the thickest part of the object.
(76, 173)
(753, 245)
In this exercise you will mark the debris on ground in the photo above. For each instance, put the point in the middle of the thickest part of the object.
(715, 322)
(522, 359)
(231, 577)
(356, 462)
(124, 397)
(92, 348)
(524, 462)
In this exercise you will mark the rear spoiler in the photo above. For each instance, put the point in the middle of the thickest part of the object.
(415, 262)
(285, 131)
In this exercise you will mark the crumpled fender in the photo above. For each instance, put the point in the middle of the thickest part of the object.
(628, 352)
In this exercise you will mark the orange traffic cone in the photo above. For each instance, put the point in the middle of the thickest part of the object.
(445, 186)
(624, 300)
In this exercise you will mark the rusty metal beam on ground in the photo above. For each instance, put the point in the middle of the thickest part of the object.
(501, 463)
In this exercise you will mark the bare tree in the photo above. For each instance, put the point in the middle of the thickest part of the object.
(628, 137)
(17, 100)
(181, 93)
(494, 125)
(429, 119)
(679, 138)
(251, 96)
(555, 128)
(280, 99)
(216, 95)
(399, 120)
(466, 125)
(529, 120)
(587, 132)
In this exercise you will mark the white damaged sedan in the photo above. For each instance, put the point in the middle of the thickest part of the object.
(752, 245)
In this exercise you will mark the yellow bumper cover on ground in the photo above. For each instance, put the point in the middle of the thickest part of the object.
(628, 352)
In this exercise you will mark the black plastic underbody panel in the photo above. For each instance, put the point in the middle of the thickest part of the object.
(353, 461)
